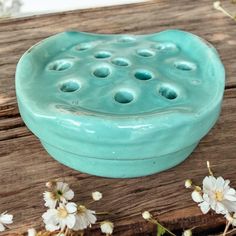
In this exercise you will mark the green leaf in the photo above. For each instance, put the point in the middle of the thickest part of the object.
(160, 230)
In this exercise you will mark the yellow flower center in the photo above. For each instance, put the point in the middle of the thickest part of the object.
(81, 209)
(219, 196)
(62, 212)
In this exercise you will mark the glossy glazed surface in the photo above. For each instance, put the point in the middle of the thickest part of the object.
(120, 100)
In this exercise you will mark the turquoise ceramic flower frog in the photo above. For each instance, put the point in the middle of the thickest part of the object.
(120, 105)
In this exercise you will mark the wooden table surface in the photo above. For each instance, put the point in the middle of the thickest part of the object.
(25, 166)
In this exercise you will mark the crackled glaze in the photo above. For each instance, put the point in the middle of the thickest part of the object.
(120, 105)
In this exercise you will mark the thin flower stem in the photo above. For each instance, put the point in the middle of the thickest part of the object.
(231, 231)
(209, 168)
(226, 228)
(157, 223)
(226, 13)
(81, 233)
(67, 231)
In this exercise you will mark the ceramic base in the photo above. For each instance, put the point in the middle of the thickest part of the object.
(118, 168)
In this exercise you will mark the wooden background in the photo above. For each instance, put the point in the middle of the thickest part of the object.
(25, 166)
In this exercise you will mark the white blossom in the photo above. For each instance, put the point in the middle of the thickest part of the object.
(84, 218)
(107, 227)
(60, 192)
(63, 216)
(217, 195)
(187, 232)
(5, 219)
(96, 196)
(32, 232)
(146, 215)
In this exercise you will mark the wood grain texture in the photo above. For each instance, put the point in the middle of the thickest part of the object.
(25, 166)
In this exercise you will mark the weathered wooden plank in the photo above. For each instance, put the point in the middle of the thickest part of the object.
(25, 166)
(199, 17)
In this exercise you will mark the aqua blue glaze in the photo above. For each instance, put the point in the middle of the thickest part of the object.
(120, 105)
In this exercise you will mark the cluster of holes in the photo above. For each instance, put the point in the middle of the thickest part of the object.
(122, 96)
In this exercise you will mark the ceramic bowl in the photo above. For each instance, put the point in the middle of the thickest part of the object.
(120, 105)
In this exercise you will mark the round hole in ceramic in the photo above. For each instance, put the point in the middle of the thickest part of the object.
(168, 92)
(70, 86)
(83, 46)
(101, 72)
(145, 53)
(165, 46)
(185, 65)
(102, 55)
(126, 39)
(143, 75)
(60, 65)
(123, 97)
(120, 62)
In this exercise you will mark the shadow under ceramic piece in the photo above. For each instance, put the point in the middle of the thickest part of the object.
(120, 105)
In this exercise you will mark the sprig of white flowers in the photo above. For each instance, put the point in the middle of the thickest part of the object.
(68, 217)
(63, 217)
(215, 195)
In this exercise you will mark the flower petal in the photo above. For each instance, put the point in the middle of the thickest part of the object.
(220, 182)
(220, 208)
(60, 186)
(6, 218)
(80, 223)
(68, 195)
(49, 217)
(49, 201)
(92, 218)
(2, 227)
(32, 232)
(70, 221)
(71, 207)
(196, 196)
(229, 205)
(51, 227)
(204, 206)
(209, 183)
